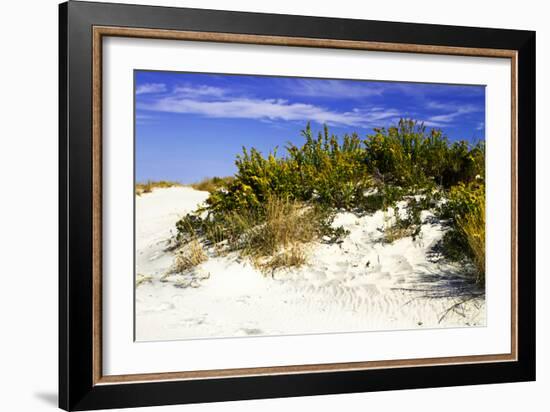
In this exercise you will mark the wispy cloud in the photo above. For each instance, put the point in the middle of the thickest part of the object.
(449, 117)
(453, 111)
(143, 119)
(151, 88)
(335, 89)
(269, 109)
(191, 91)
(370, 104)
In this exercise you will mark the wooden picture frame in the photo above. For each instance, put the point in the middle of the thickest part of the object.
(82, 384)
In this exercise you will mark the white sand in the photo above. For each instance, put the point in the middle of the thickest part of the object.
(361, 284)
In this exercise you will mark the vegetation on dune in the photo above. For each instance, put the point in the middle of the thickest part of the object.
(275, 205)
(278, 234)
(211, 184)
(409, 156)
(397, 161)
(188, 256)
(472, 227)
(148, 186)
(273, 235)
(409, 225)
(142, 279)
(465, 209)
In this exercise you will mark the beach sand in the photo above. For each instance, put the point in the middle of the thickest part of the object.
(360, 284)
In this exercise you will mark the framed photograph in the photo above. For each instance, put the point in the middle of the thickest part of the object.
(256, 205)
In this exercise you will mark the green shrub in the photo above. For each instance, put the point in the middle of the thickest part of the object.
(463, 199)
(326, 174)
(406, 155)
(321, 170)
(342, 173)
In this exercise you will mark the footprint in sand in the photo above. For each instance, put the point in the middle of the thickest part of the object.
(371, 289)
(382, 276)
(316, 275)
(161, 307)
(245, 299)
(249, 332)
(155, 256)
(188, 322)
(400, 263)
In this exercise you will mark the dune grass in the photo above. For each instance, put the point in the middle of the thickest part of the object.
(294, 256)
(148, 186)
(281, 239)
(211, 184)
(465, 211)
(273, 236)
(396, 231)
(142, 279)
(472, 226)
(190, 255)
(399, 226)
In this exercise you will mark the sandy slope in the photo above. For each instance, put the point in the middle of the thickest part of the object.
(360, 284)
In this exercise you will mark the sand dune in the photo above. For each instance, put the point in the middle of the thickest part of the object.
(361, 284)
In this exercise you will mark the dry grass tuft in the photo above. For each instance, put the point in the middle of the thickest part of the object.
(280, 241)
(472, 226)
(276, 234)
(396, 228)
(295, 256)
(148, 187)
(141, 279)
(396, 232)
(189, 256)
(212, 184)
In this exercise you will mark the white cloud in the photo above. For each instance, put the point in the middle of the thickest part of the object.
(454, 111)
(440, 106)
(268, 109)
(199, 91)
(216, 102)
(332, 88)
(150, 88)
(449, 117)
(429, 123)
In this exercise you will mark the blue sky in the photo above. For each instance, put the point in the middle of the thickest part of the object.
(191, 125)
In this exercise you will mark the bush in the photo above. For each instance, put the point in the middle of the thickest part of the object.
(341, 174)
(463, 199)
(322, 170)
(406, 155)
(251, 211)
